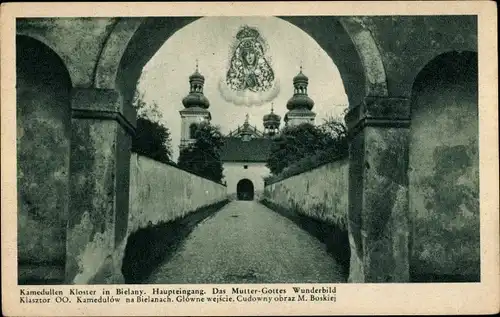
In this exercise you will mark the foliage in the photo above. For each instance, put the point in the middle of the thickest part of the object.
(145, 110)
(305, 164)
(203, 156)
(308, 145)
(152, 138)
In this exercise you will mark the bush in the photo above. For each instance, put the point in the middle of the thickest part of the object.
(301, 148)
(306, 164)
(152, 138)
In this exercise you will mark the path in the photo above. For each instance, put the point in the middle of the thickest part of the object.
(245, 242)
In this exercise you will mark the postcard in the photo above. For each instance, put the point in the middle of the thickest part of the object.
(249, 158)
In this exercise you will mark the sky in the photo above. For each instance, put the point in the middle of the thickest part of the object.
(209, 40)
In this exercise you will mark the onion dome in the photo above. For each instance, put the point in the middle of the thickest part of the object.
(300, 102)
(300, 99)
(300, 77)
(196, 76)
(195, 98)
(271, 120)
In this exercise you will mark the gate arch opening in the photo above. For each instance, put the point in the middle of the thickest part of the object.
(245, 189)
(122, 61)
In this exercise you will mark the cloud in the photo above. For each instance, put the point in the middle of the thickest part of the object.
(248, 98)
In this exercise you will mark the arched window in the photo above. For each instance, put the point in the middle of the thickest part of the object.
(192, 130)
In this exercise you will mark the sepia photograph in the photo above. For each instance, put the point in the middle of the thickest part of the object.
(274, 157)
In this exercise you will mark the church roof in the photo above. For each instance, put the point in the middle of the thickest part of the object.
(254, 150)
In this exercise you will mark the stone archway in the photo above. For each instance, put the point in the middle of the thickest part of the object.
(245, 189)
(134, 41)
(347, 41)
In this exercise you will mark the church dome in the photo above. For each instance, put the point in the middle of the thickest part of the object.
(196, 99)
(300, 78)
(196, 76)
(300, 101)
(271, 119)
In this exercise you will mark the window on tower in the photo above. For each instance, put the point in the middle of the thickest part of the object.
(192, 130)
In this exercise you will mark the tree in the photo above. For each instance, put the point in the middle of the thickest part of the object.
(152, 138)
(335, 133)
(293, 144)
(203, 156)
(146, 110)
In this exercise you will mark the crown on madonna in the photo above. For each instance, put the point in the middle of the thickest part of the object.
(246, 33)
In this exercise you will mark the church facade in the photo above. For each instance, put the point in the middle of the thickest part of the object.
(244, 156)
(246, 148)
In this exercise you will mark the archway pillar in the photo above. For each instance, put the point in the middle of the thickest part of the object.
(98, 185)
(378, 214)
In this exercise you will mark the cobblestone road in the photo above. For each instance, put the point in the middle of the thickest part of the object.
(245, 242)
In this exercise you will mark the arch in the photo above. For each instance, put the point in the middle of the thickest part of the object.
(426, 61)
(446, 62)
(43, 87)
(145, 41)
(369, 54)
(444, 169)
(53, 48)
(245, 189)
(350, 45)
(116, 43)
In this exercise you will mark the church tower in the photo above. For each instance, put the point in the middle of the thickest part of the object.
(300, 104)
(195, 109)
(271, 123)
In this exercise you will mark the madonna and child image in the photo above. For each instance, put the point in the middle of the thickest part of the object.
(250, 79)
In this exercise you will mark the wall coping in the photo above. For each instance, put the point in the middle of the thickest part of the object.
(173, 164)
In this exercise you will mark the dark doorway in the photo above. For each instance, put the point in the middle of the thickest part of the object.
(244, 189)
